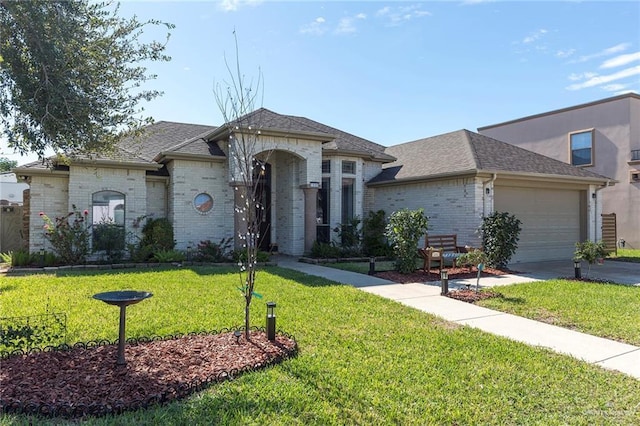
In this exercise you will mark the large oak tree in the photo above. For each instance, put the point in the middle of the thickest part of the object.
(72, 74)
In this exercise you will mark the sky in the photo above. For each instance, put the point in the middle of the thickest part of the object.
(390, 71)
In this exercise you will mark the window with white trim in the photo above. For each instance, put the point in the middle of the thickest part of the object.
(581, 148)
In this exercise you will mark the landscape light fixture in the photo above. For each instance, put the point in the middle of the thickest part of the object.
(271, 321)
(372, 265)
(444, 282)
(576, 269)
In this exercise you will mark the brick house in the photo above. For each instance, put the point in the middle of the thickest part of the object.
(315, 178)
(602, 137)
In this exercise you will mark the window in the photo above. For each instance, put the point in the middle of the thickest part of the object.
(581, 146)
(349, 167)
(203, 203)
(326, 166)
(108, 208)
(323, 234)
(347, 199)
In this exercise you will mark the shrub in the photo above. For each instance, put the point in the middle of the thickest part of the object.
(208, 251)
(324, 250)
(590, 251)
(472, 258)
(70, 240)
(350, 234)
(168, 256)
(374, 242)
(241, 256)
(404, 230)
(109, 237)
(500, 235)
(157, 236)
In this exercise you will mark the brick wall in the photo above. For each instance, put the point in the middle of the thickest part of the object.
(49, 194)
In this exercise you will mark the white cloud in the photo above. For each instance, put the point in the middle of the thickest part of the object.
(361, 16)
(583, 76)
(536, 35)
(233, 5)
(316, 27)
(621, 60)
(346, 26)
(598, 80)
(565, 53)
(186, 69)
(614, 87)
(398, 15)
(606, 52)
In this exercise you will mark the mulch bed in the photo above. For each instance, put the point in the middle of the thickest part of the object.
(87, 381)
(471, 296)
(419, 276)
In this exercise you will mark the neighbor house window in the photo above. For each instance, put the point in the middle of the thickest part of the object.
(326, 166)
(581, 146)
(108, 209)
(348, 193)
(349, 167)
(322, 212)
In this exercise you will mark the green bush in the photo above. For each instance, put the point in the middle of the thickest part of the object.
(590, 251)
(22, 257)
(157, 236)
(404, 230)
(324, 250)
(208, 251)
(241, 256)
(109, 237)
(472, 258)
(70, 240)
(374, 242)
(350, 234)
(500, 235)
(168, 256)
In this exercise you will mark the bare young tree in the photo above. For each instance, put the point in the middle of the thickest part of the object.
(238, 100)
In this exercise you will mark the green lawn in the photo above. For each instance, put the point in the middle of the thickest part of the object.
(606, 310)
(363, 359)
(627, 255)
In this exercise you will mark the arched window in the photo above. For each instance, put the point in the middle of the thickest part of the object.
(108, 211)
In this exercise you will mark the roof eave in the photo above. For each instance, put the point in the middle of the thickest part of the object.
(170, 155)
(382, 158)
(552, 177)
(438, 176)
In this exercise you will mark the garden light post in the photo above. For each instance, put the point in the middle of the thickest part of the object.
(576, 269)
(444, 282)
(271, 321)
(372, 265)
(42, 257)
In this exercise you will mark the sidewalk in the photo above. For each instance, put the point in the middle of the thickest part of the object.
(426, 297)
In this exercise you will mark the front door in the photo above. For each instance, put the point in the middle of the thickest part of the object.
(262, 181)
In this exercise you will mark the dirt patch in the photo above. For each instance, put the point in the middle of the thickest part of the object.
(87, 381)
(471, 296)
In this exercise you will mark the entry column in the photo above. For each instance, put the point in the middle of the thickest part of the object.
(240, 203)
(310, 208)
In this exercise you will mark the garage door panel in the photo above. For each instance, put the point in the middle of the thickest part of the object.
(550, 221)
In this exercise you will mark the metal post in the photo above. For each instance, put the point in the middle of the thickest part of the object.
(372, 265)
(576, 269)
(121, 336)
(444, 282)
(271, 321)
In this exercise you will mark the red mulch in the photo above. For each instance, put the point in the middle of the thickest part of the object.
(157, 371)
(420, 276)
(471, 296)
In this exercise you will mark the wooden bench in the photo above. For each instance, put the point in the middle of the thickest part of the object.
(438, 248)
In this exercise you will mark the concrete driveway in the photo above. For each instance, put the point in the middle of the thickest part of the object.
(619, 272)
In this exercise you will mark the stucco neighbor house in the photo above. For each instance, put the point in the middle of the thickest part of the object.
(602, 137)
(315, 178)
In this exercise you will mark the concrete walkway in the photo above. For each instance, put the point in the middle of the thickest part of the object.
(426, 297)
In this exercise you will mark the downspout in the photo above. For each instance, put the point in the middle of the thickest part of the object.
(595, 211)
(484, 188)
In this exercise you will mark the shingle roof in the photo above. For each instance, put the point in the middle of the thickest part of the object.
(463, 152)
(169, 136)
(336, 140)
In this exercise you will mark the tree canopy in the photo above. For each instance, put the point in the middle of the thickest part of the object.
(6, 164)
(71, 74)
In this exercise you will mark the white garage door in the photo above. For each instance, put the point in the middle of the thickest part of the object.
(550, 221)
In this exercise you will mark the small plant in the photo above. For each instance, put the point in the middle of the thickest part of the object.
(472, 258)
(590, 252)
(168, 256)
(69, 238)
(109, 238)
(22, 257)
(241, 256)
(500, 235)
(157, 236)
(35, 331)
(350, 234)
(208, 251)
(324, 250)
(404, 230)
(6, 257)
(374, 242)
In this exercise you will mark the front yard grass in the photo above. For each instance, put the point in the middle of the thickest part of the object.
(627, 255)
(363, 359)
(606, 310)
